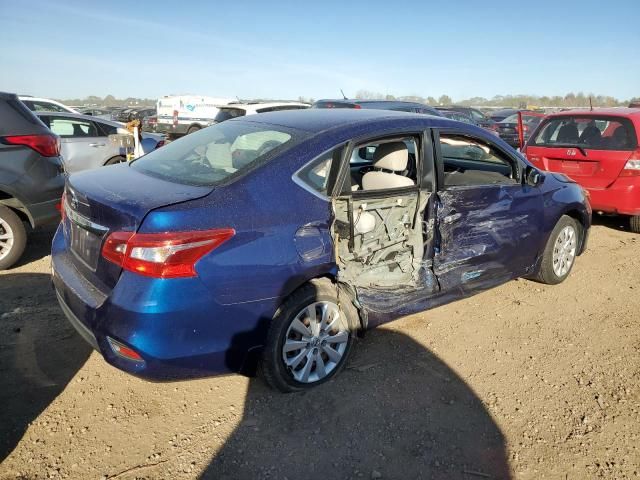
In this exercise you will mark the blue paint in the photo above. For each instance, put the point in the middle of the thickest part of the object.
(206, 325)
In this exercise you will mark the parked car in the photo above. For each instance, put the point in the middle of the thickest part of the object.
(399, 106)
(123, 115)
(509, 129)
(499, 115)
(142, 113)
(96, 112)
(234, 110)
(598, 149)
(149, 123)
(31, 177)
(265, 238)
(36, 104)
(479, 118)
(84, 140)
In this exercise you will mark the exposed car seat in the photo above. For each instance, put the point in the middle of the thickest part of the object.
(568, 134)
(591, 135)
(393, 157)
(620, 138)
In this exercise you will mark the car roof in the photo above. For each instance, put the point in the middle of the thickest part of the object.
(619, 112)
(259, 105)
(367, 102)
(316, 120)
(80, 116)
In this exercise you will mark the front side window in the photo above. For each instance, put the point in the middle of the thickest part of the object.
(592, 132)
(214, 154)
(469, 161)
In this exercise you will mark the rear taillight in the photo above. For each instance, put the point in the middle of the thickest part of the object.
(632, 167)
(357, 107)
(46, 145)
(163, 255)
(160, 144)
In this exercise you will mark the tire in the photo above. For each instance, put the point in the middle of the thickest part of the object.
(564, 245)
(634, 224)
(318, 296)
(192, 129)
(115, 160)
(13, 238)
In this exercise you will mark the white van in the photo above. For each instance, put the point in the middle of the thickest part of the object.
(184, 114)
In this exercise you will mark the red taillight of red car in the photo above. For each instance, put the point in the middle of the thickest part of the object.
(45, 145)
(163, 255)
(161, 143)
(632, 167)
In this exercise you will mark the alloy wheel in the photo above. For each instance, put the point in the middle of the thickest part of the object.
(6, 238)
(564, 251)
(315, 342)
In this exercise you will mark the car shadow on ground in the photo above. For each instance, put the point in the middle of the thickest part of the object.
(40, 352)
(396, 411)
(615, 222)
(38, 245)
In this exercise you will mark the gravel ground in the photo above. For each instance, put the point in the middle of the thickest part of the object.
(522, 382)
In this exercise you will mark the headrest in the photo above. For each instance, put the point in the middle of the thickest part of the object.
(392, 156)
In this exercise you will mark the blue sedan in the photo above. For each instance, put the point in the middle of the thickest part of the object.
(273, 241)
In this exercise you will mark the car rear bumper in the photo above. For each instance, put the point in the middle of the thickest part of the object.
(177, 328)
(621, 197)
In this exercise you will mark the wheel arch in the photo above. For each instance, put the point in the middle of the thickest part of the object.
(9, 200)
(584, 222)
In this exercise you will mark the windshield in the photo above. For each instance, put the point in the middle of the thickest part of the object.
(593, 132)
(213, 154)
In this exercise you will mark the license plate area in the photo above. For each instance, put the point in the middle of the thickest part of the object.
(85, 238)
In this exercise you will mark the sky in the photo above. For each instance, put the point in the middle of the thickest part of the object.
(286, 49)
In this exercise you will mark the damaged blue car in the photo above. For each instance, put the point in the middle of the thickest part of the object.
(274, 241)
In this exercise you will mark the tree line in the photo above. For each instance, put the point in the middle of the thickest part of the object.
(571, 99)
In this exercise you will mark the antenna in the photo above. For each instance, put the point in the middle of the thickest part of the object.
(344, 97)
(590, 104)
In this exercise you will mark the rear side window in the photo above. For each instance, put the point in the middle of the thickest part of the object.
(592, 132)
(214, 154)
(72, 128)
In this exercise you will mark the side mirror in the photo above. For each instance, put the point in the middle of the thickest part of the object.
(533, 177)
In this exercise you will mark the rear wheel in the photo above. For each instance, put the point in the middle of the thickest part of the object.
(560, 252)
(115, 160)
(13, 238)
(634, 224)
(192, 129)
(309, 339)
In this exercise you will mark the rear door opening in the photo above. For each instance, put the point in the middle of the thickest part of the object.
(379, 228)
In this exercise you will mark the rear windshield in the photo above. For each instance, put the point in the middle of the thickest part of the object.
(528, 119)
(228, 113)
(593, 132)
(214, 154)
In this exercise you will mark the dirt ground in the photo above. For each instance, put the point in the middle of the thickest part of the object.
(522, 382)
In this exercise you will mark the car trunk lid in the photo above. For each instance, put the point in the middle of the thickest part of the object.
(111, 199)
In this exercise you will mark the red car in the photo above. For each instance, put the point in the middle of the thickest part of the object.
(599, 150)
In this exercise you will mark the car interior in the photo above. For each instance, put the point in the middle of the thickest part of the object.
(379, 237)
(469, 161)
(603, 133)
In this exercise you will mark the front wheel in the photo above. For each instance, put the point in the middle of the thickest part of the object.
(309, 339)
(560, 252)
(13, 237)
(193, 129)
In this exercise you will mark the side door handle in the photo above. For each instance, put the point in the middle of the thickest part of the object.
(96, 145)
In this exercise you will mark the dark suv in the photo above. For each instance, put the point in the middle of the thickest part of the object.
(31, 176)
